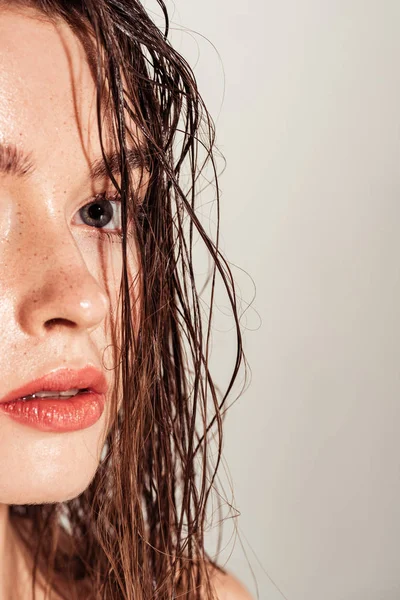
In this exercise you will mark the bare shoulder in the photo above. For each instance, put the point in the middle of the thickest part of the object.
(227, 587)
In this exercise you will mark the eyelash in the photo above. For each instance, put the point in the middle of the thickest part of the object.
(116, 199)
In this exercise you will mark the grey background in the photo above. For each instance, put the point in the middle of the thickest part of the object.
(309, 125)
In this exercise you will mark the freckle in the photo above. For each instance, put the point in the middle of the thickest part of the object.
(35, 254)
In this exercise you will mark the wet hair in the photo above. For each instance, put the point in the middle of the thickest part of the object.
(137, 531)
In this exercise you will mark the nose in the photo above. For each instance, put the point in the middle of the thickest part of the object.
(56, 286)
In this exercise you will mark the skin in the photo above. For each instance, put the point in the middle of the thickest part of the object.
(53, 266)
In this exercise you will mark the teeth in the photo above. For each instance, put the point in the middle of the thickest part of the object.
(52, 394)
(44, 394)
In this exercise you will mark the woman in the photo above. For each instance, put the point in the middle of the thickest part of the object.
(105, 407)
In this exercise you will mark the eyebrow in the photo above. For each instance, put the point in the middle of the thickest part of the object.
(137, 158)
(14, 161)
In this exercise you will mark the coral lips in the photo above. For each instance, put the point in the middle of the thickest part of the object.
(59, 414)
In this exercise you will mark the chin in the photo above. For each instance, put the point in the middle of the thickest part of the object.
(41, 468)
(60, 485)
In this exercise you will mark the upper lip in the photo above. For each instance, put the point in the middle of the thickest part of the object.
(61, 380)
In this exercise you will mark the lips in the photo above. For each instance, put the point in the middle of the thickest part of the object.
(62, 380)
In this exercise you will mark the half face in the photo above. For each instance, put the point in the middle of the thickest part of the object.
(59, 272)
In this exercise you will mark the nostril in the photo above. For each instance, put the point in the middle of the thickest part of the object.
(58, 321)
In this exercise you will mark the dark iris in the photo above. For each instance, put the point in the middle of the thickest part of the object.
(97, 214)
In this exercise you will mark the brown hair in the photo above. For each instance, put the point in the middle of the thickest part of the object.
(137, 531)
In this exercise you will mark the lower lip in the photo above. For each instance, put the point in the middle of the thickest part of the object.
(57, 414)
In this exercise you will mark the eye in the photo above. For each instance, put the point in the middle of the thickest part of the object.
(102, 212)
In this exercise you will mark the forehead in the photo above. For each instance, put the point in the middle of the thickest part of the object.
(47, 90)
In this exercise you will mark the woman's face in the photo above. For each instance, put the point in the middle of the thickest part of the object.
(59, 275)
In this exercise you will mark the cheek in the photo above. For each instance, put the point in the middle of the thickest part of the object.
(115, 323)
(114, 285)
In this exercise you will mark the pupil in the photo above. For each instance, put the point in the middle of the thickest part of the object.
(95, 211)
